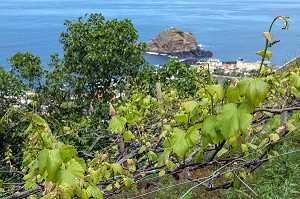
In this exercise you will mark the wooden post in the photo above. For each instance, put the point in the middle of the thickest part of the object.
(221, 80)
(112, 111)
(159, 93)
(283, 119)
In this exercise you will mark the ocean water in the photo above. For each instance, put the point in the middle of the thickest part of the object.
(231, 29)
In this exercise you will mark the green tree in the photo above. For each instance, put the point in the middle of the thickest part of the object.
(172, 75)
(11, 136)
(100, 53)
(11, 88)
(28, 67)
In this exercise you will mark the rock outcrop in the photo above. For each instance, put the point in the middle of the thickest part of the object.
(175, 42)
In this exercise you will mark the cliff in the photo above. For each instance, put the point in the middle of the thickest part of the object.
(175, 42)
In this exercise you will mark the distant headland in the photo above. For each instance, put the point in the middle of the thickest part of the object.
(177, 43)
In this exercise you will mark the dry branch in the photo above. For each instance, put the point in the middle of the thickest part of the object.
(25, 193)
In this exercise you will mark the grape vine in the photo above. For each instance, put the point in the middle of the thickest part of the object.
(146, 135)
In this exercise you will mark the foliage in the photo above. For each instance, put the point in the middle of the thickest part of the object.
(172, 75)
(28, 67)
(269, 43)
(55, 164)
(100, 53)
(197, 123)
(11, 87)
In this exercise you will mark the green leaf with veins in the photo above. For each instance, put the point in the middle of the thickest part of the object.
(117, 124)
(231, 121)
(181, 118)
(67, 151)
(128, 182)
(67, 191)
(69, 173)
(96, 192)
(178, 142)
(295, 80)
(216, 91)
(117, 168)
(208, 129)
(163, 156)
(232, 94)
(50, 161)
(152, 156)
(31, 175)
(255, 90)
(192, 135)
(190, 106)
(127, 135)
(295, 91)
(247, 107)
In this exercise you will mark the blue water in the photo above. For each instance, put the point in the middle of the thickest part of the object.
(231, 29)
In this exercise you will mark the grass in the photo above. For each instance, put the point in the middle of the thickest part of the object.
(276, 179)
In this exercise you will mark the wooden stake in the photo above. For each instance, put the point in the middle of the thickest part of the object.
(159, 93)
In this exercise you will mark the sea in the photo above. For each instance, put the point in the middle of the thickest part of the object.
(231, 29)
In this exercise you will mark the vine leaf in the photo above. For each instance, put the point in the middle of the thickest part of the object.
(28, 129)
(236, 183)
(127, 135)
(268, 35)
(96, 192)
(232, 94)
(295, 80)
(295, 91)
(269, 54)
(295, 85)
(208, 129)
(67, 150)
(168, 127)
(66, 191)
(192, 135)
(190, 106)
(69, 173)
(94, 176)
(182, 118)
(222, 152)
(216, 91)
(46, 197)
(255, 90)
(152, 156)
(178, 143)
(231, 120)
(29, 178)
(50, 161)
(274, 137)
(117, 168)
(161, 173)
(163, 156)
(247, 107)
(147, 101)
(127, 182)
(142, 149)
(117, 124)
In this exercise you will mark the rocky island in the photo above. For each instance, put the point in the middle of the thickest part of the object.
(175, 42)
